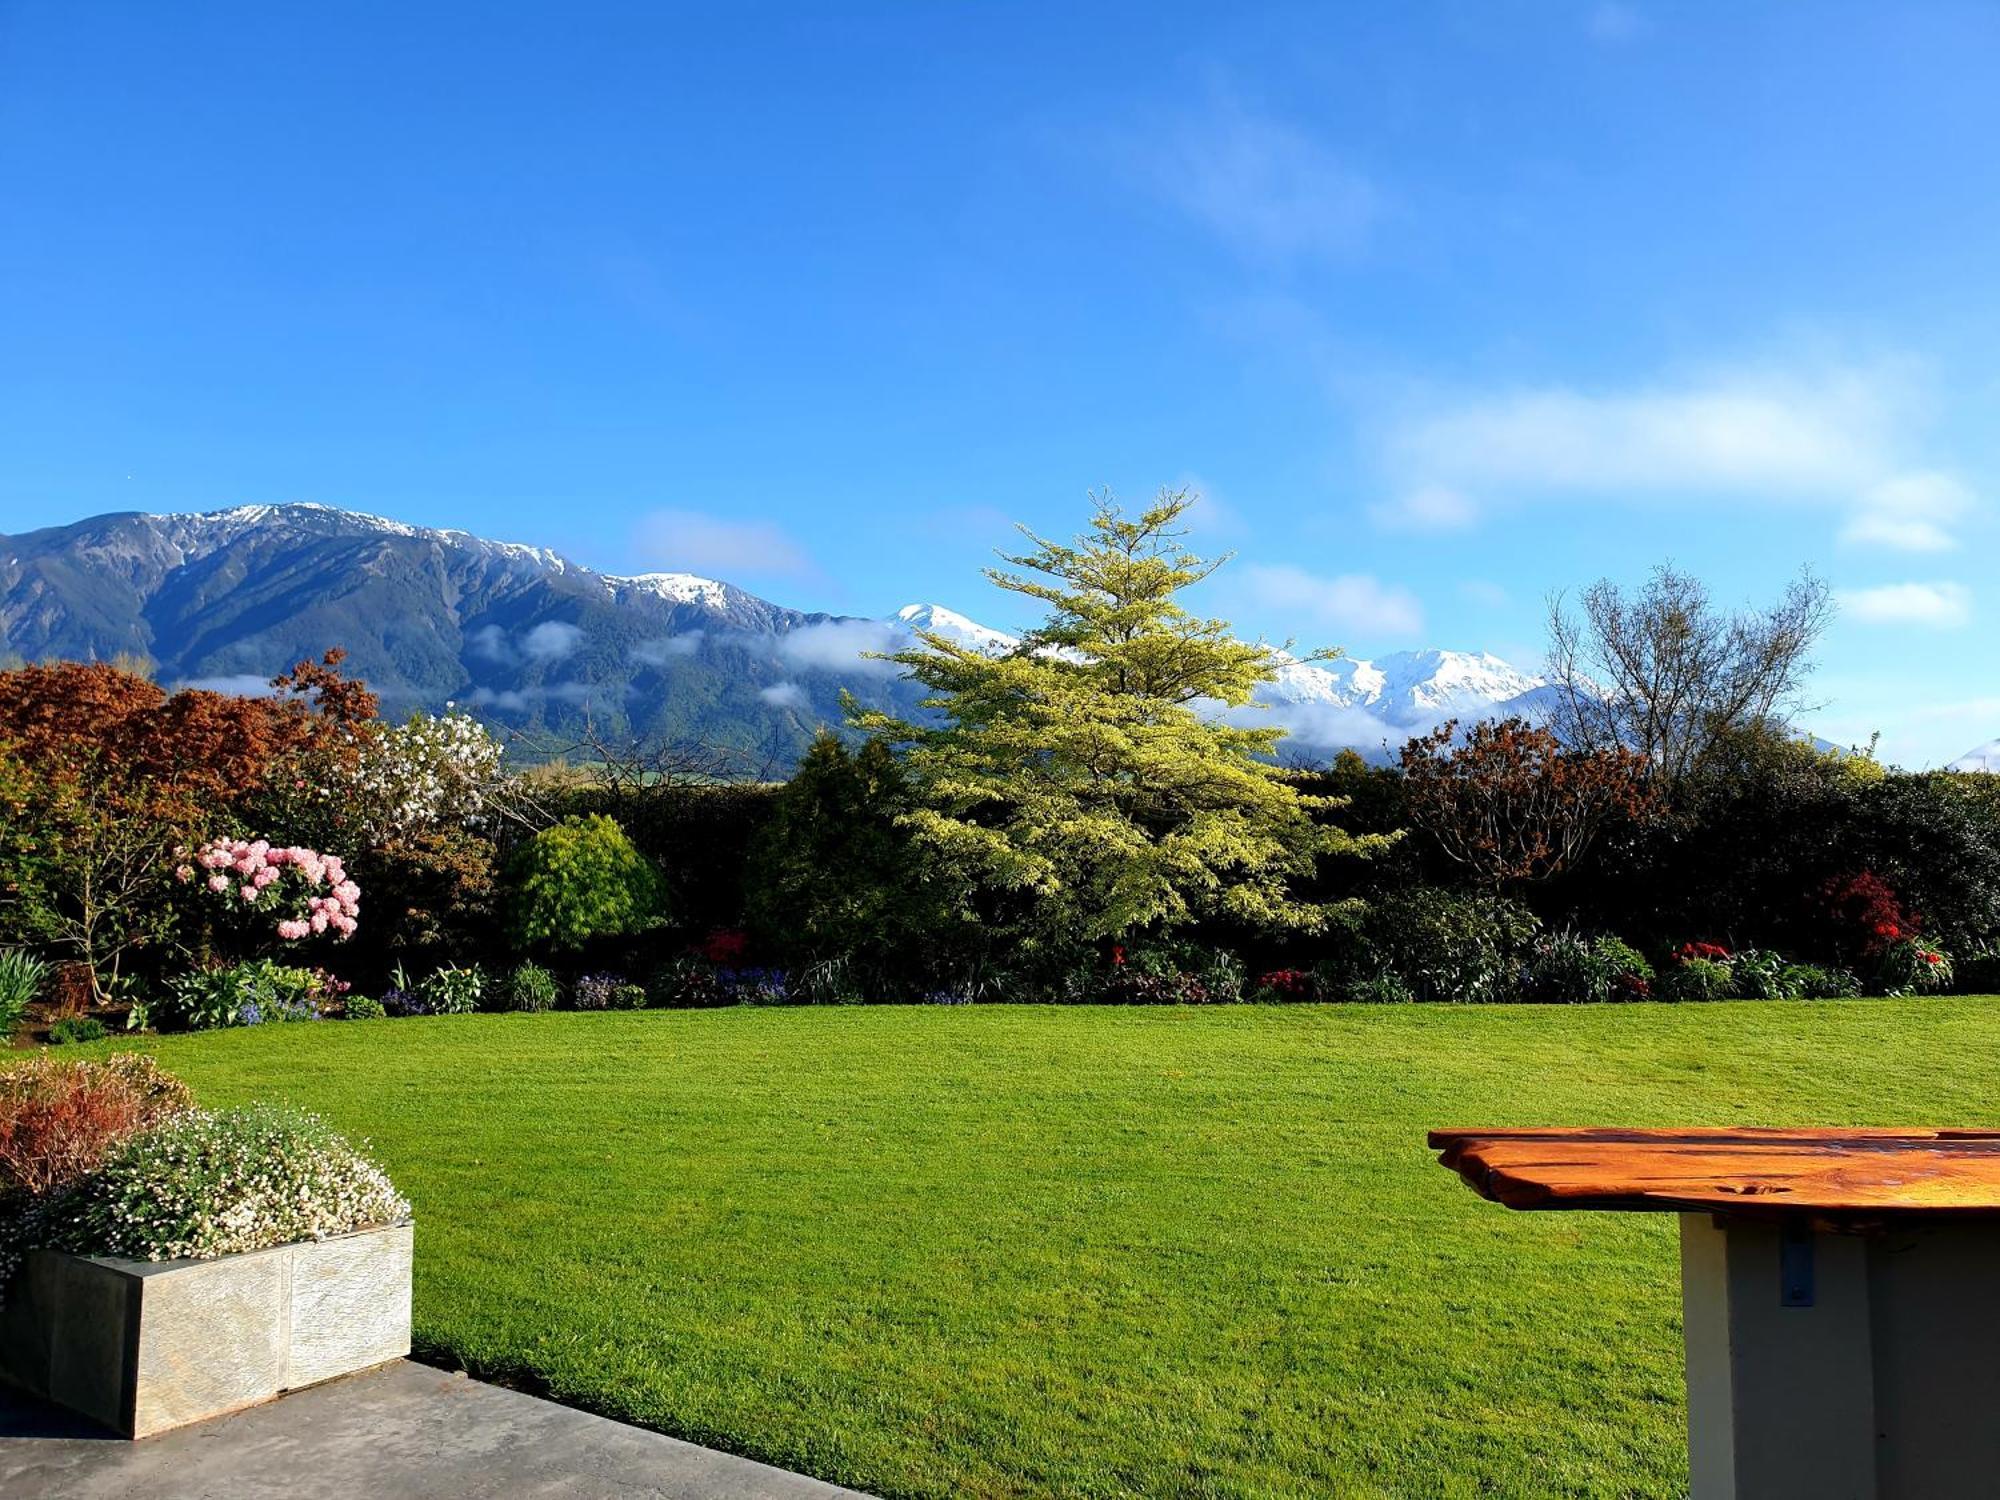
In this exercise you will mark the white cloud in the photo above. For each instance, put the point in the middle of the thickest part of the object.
(1612, 23)
(1938, 606)
(690, 541)
(1266, 188)
(1828, 438)
(1430, 507)
(1909, 513)
(489, 643)
(506, 698)
(520, 699)
(658, 653)
(1982, 711)
(784, 695)
(1352, 602)
(839, 646)
(1722, 435)
(1319, 729)
(551, 640)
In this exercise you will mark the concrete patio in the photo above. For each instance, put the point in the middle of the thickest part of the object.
(403, 1430)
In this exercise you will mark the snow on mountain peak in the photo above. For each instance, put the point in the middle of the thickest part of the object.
(675, 588)
(197, 531)
(1985, 758)
(955, 627)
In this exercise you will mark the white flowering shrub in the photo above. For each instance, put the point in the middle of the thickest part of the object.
(211, 1183)
(432, 770)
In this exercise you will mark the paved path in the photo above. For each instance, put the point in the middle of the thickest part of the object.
(403, 1430)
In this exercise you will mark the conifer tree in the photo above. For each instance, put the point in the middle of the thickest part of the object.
(1089, 772)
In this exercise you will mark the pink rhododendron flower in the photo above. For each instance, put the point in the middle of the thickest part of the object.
(309, 892)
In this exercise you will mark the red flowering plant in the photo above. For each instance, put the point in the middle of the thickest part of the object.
(1911, 966)
(1713, 953)
(1287, 984)
(725, 947)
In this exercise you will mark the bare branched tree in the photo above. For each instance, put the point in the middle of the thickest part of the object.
(1663, 671)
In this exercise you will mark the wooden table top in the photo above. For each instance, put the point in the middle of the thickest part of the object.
(1828, 1174)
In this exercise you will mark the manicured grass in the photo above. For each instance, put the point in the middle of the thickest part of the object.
(1024, 1251)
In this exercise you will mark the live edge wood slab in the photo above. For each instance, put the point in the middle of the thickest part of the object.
(1836, 1177)
(1840, 1294)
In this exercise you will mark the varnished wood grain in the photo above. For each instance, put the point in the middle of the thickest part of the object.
(1830, 1174)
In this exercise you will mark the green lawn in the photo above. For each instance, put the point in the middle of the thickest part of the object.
(1026, 1251)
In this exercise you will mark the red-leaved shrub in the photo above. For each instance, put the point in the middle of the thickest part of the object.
(1862, 916)
(60, 1117)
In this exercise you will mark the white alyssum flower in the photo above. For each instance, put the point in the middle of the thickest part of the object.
(215, 1183)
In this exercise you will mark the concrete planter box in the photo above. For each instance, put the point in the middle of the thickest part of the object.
(142, 1346)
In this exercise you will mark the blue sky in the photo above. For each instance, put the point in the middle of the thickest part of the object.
(1443, 306)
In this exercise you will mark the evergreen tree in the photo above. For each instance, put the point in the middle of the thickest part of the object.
(835, 874)
(1087, 777)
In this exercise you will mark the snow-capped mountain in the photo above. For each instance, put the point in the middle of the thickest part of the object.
(1346, 703)
(535, 641)
(953, 626)
(1985, 758)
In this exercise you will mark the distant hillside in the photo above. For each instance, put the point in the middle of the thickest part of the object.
(530, 640)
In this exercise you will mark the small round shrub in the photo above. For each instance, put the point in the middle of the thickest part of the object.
(686, 984)
(1760, 974)
(627, 997)
(398, 1001)
(580, 880)
(205, 1184)
(1378, 989)
(1697, 979)
(1911, 966)
(74, 1029)
(452, 991)
(1564, 968)
(1569, 968)
(1450, 946)
(594, 991)
(530, 987)
(756, 986)
(827, 981)
(1628, 961)
(1223, 975)
(1815, 982)
(362, 1008)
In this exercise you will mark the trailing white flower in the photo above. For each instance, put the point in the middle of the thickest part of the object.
(215, 1183)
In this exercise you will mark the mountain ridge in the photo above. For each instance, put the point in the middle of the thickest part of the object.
(536, 641)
